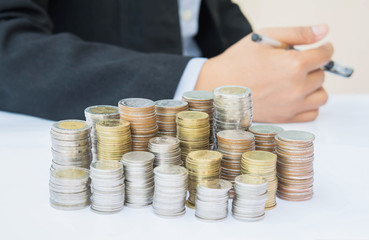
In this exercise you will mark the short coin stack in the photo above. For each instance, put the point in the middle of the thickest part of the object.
(71, 144)
(139, 178)
(202, 101)
(295, 152)
(107, 185)
(264, 164)
(212, 199)
(250, 197)
(166, 150)
(113, 139)
(166, 111)
(193, 131)
(233, 108)
(140, 112)
(202, 165)
(232, 144)
(264, 136)
(170, 190)
(69, 188)
(97, 113)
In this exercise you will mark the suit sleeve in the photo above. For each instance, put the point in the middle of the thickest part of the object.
(56, 76)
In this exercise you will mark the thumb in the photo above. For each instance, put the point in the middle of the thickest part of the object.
(297, 35)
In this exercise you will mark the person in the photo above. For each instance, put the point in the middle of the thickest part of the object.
(59, 56)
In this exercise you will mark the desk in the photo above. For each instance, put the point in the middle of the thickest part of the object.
(339, 209)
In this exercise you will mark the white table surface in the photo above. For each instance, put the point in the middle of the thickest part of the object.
(339, 209)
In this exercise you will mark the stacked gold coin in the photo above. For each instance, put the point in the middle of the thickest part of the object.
(202, 101)
(202, 165)
(113, 139)
(166, 111)
(295, 150)
(166, 150)
(264, 164)
(192, 131)
(140, 112)
(232, 144)
(264, 136)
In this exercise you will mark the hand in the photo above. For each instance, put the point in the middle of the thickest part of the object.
(286, 85)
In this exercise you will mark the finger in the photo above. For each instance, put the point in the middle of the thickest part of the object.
(315, 58)
(313, 81)
(307, 116)
(315, 100)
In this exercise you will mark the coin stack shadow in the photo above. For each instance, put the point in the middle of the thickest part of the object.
(166, 150)
(264, 136)
(295, 150)
(166, 111)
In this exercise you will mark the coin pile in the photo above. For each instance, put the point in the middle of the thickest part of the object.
(107, 186)
(170, 190)
(71, 144)
(166, 111)
(69, 188)
(233, 108)
(250, 197)
(94, 114)
(264, 164)
(166, 150)
(232, 144)
(139, 178)
(264, 136)
(202, 101)
(202, 165)
(295, 150)
(192, 131)
(113, 139)
(212, 199)
(140, 112)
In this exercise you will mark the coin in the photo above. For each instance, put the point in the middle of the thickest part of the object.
(166, 111)
(264, 136)
(166, 150)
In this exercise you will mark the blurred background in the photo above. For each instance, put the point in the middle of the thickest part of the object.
(349, 32)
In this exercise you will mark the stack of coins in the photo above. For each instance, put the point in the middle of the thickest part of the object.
(233, 108)
(202, 101)
(140, 112)
(212, 199)
(232, 144)
(264, 136)
(295, 152)
(264, 164)
(71, 144)
(69, 188)
(107, 186)
(250, 197)
(170, 190)
(166, 150)
(202, 165)
(166, 111)
(113, 139)
(139, 178)
(192, 131)
(94, 114)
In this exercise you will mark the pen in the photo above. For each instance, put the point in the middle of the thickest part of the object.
(332, 66)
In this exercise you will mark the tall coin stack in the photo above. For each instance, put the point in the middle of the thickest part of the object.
(107, 186)
(94, 114)
(166, 111)
(71, 144)
(295, 150)
(192, 131)
(139, 178)
(233, 108)
(202, 165)
(113, 139)
(166, 150)
(250, 197)
(264, 164)
(202, 101)
(232, 144)
(69, 188)
(140, 112)
(170, 190)
(212, 199)
(264, 136)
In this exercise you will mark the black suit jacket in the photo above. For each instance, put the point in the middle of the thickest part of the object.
(59, 56)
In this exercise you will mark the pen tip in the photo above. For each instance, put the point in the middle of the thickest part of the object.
(255, 37)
